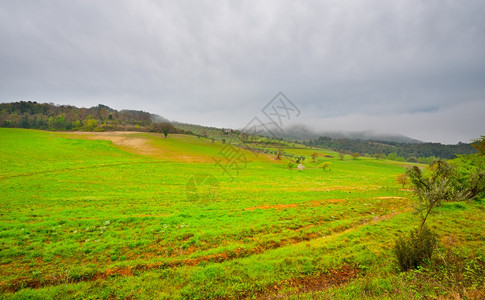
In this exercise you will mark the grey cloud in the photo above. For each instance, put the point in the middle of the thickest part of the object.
(219, 62)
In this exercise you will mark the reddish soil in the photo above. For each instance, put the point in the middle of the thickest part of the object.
(302, 284)
(118, 271)
(314, 283)
(325, 201)
(277, 206)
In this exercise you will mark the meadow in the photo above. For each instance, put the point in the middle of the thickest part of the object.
(106, 215)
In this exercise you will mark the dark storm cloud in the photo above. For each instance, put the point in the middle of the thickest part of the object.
(350, 65)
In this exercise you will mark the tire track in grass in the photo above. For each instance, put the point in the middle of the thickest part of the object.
(24, 282)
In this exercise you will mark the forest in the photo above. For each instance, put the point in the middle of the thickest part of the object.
(48, 116)
(411, 152)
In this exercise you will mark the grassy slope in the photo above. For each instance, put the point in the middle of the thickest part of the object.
(82, 217)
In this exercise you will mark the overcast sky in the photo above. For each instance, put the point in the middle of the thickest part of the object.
(407, 67)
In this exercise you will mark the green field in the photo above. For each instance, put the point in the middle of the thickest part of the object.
(107, 216)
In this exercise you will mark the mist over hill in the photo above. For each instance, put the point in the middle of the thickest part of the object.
(158, 119)
(301, 132)
(48, 116)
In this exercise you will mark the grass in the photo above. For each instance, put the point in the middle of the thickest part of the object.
(83, 218)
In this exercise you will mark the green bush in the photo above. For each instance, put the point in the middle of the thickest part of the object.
(411, 251)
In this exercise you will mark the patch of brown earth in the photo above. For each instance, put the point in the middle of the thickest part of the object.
(118, 272)
(124, 139)
(318, 282)
(135, 143)
(325, 201)
(344, 188)
(277, 206)
(303, 284)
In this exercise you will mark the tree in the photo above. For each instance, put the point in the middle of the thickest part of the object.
(412, 159)
(479, 145)
(76, 124)
(314, 156)
(51, 123)
(60, 122)
(164, 128)
(378, 155)
(279, 152)
(402, 179)
(90, 123)
(341, 155)
(355, 155)
(430, 190)
(440, 184)
(443, 183)
(104, 114)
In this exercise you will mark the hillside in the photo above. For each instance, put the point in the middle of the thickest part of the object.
(412, 152)
(103, 118)
(137, 215)
(47, 116)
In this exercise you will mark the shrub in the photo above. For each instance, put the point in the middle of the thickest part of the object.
(413, 250)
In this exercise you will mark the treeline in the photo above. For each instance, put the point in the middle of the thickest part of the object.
(47, 116)
(418, 152)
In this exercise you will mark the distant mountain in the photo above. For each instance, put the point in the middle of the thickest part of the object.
(396, 147)
(301, 133)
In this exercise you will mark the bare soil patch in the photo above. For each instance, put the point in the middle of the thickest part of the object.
(135, 143)
(318, 282)
(326, 201)
(124, 139)
(277, 206)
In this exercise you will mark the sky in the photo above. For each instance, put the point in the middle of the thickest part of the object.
(415, 68)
